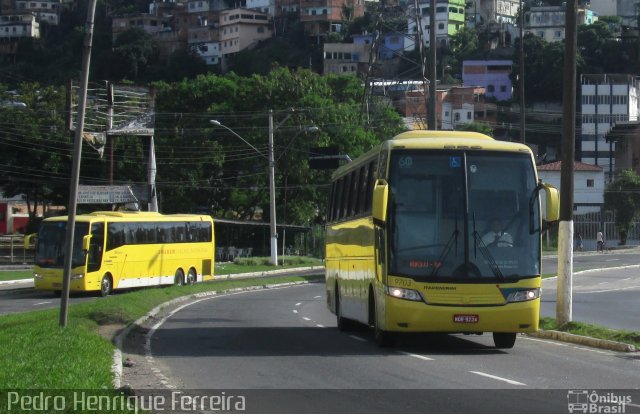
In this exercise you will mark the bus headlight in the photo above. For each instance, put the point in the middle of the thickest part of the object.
(77, 276)
(402, 293)
(38, 276)
(523, 295)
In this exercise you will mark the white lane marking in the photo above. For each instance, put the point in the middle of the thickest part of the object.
(603, 283)
(41, 303)
(610, 290)
(556, 343)
(508, 381)
(424, 358)
(625, 279)
(357, 338)
(305, 318)
(299, 303)
(317, 297)
(319, 326)
(612, 260)
(164, 380)
(295, 311)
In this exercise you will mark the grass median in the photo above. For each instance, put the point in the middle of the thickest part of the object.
(593, 331)
(15, 275)
(39, 354)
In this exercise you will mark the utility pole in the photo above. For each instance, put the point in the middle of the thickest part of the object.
(272, 195)
(75, 168)
(564, 301)
(523, 138)
(432, 118)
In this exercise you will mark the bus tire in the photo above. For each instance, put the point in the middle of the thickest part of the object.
(344, 324)
(504, 340)
(383, 338)
(106, 286)
(178, 280)
(191, 277)
(57, 293)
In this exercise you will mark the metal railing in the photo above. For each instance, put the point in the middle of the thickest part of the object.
(13, 250)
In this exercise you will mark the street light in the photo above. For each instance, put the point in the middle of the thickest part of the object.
(272, 166)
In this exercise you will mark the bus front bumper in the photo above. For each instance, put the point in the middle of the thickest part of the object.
(410, 316)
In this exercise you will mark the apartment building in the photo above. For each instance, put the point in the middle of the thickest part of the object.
(45, 10)
(547, 22)
(606, 100)
(241, 29)
(320, 17)
(484, 12)
(493, 75)
(450, 17)
(346, 58)
(18, 25)
(463, 105)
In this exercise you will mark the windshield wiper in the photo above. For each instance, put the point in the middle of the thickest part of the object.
(484, 251)
(447, 248)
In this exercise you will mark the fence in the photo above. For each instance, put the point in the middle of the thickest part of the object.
(12, 250)
(589, 224)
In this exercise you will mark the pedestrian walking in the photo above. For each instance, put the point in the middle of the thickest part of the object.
(579, 245)
(600, 242)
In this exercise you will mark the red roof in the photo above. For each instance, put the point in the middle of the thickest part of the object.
(577, 166)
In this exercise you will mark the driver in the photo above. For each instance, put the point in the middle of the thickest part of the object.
(496, 237)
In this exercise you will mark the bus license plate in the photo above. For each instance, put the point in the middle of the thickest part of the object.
(465, 318)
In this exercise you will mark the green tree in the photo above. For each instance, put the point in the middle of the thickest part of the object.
(622, 197)
(233, 178)
(36, 150)
(133, 51)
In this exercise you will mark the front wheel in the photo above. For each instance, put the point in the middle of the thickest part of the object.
(106, 286)
(382, 338)
(504, 340)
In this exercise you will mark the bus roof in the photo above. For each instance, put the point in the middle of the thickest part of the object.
(443, 140)
(133, 216)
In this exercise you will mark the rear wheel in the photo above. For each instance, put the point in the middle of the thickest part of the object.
(106, 286)
(178, 280)
(504, 340)
(191, 277)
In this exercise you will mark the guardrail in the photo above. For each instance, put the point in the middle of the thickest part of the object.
(12, 250)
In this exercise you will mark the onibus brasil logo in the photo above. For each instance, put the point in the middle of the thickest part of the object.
(588, 402)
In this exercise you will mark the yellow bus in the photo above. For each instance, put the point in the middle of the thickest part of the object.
(120, 250)
(413, 244)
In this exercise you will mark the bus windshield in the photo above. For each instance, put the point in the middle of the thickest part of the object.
(462, 216)
(50, 248)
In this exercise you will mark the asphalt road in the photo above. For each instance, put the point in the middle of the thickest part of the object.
(285, 339)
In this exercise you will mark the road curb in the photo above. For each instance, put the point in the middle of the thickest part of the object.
(116, 366)
(584, 340)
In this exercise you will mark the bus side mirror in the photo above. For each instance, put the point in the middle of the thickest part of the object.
(86, 242)
(30, 241)
(552, 197)
(380, 200)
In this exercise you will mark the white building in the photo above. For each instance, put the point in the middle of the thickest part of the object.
(548, 22)
(588, 184)
(209, 52)
(13, 26)
(606, 100)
